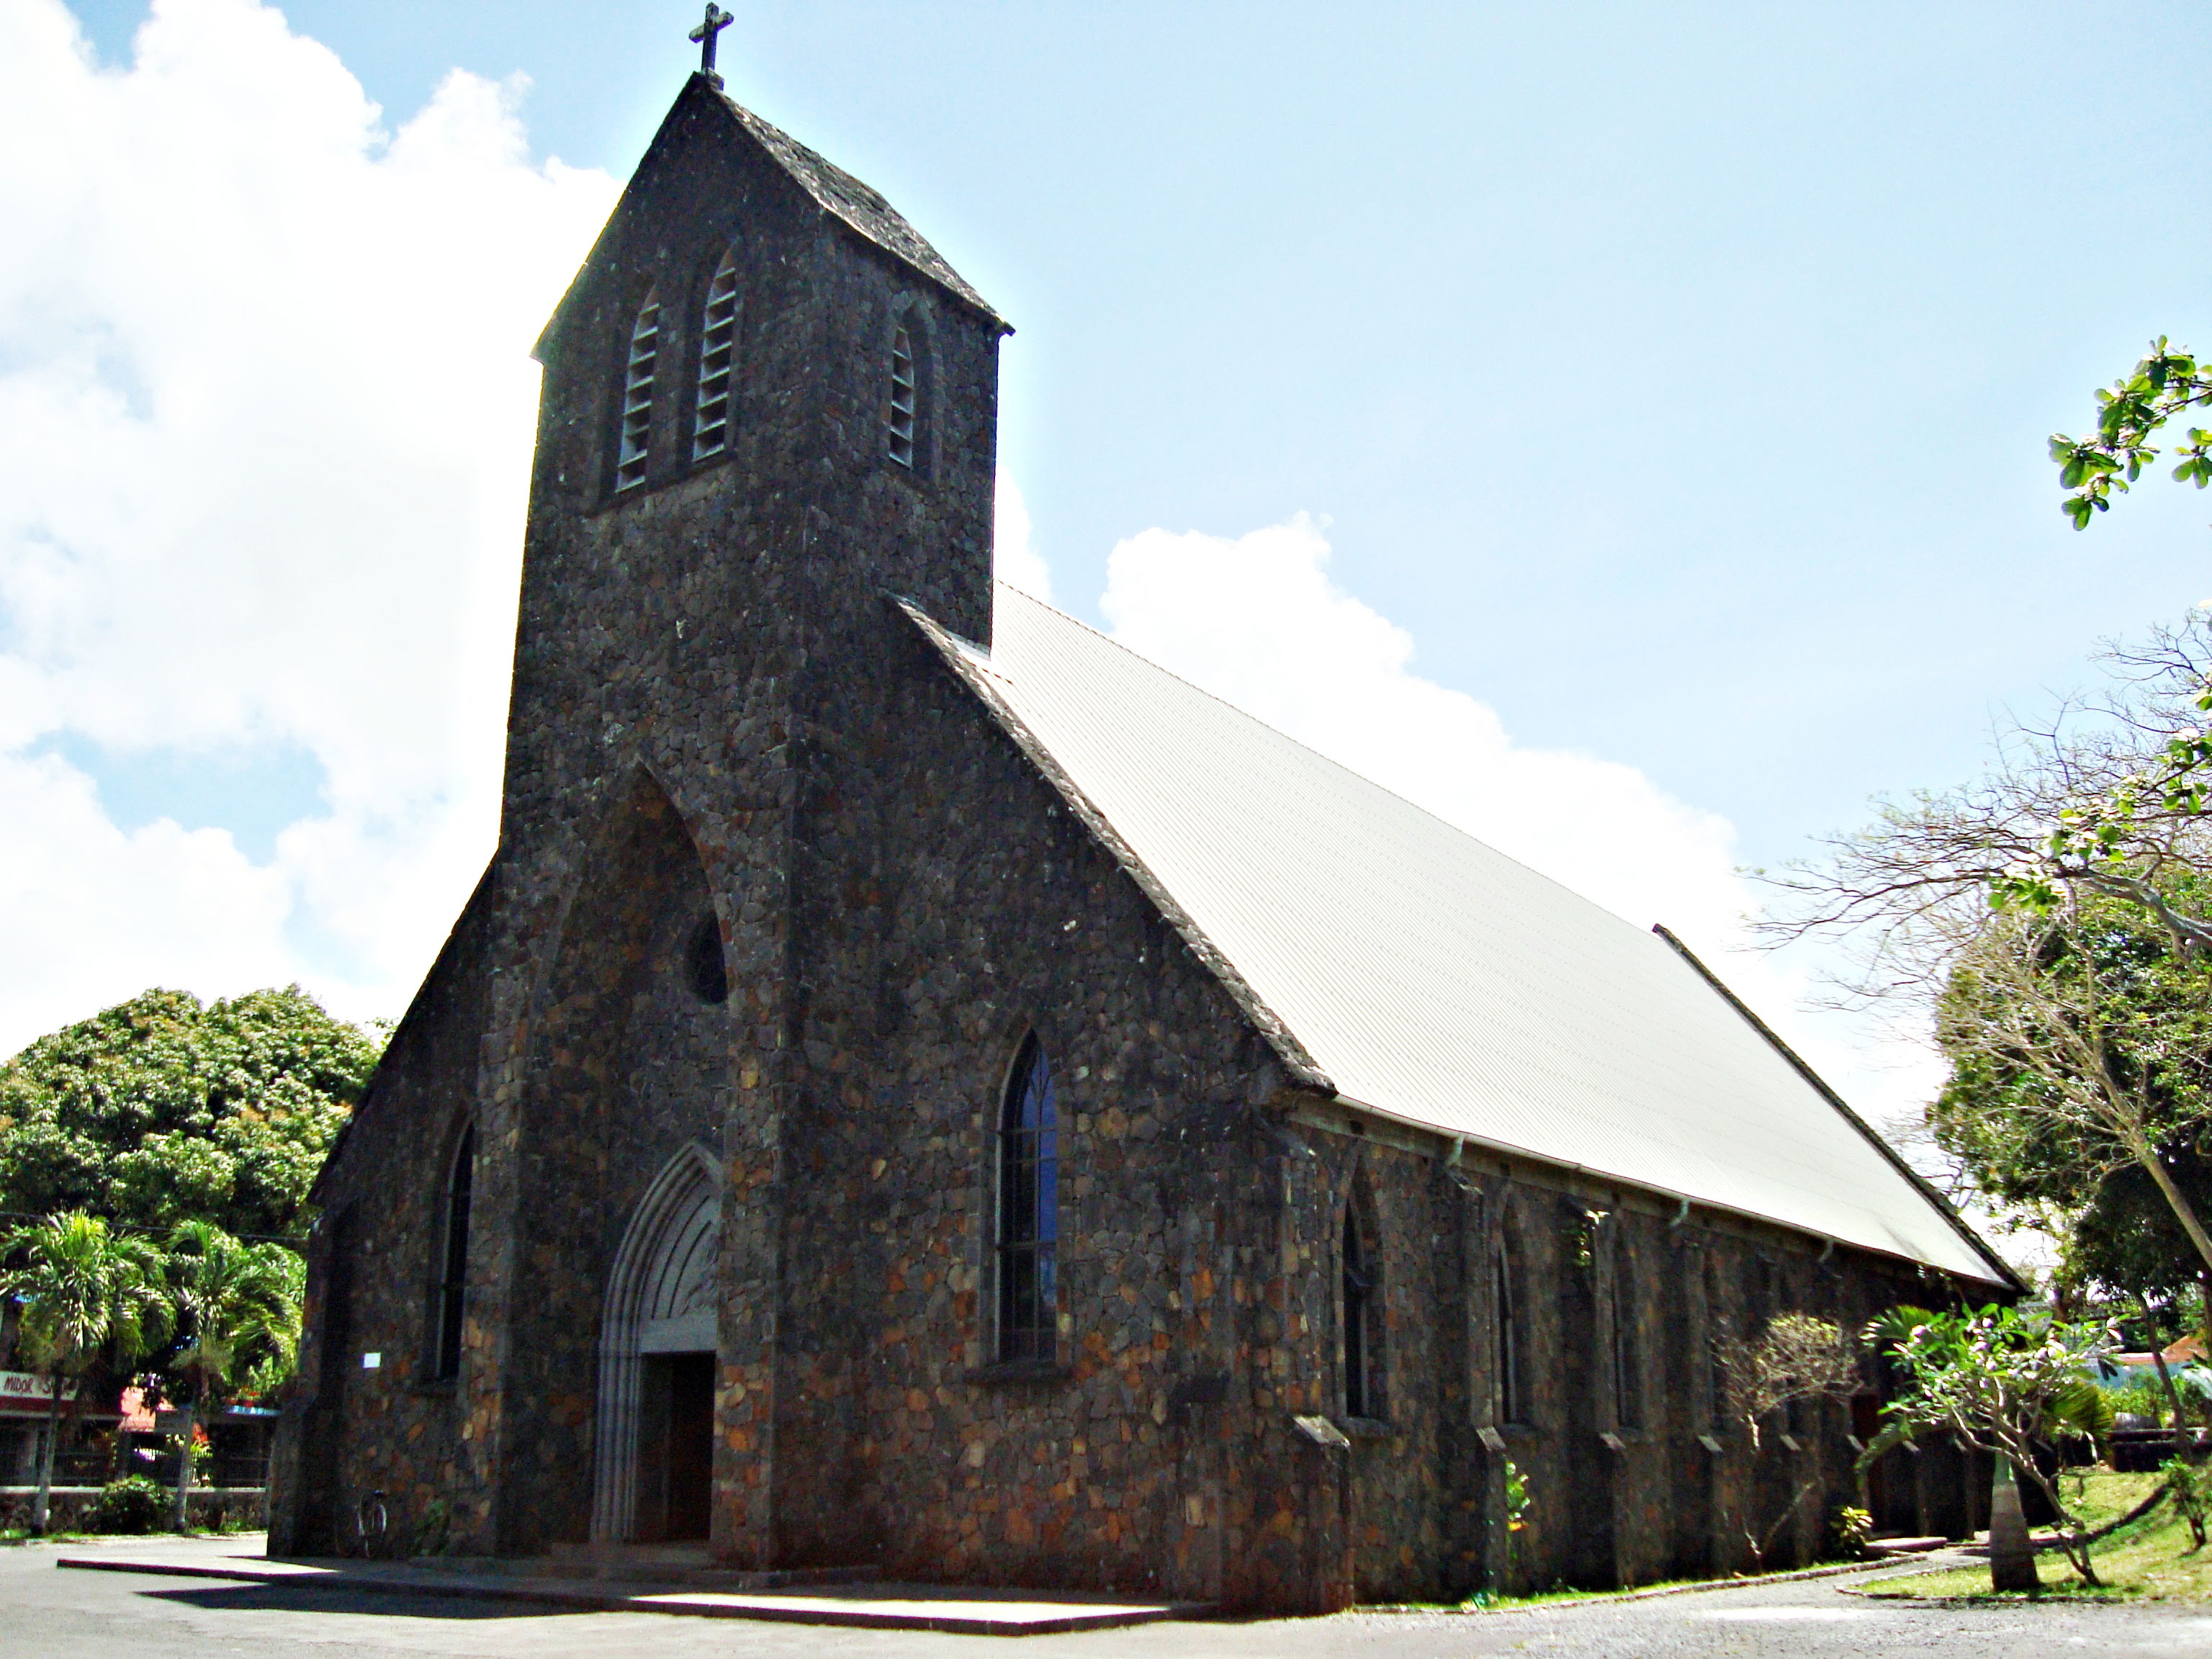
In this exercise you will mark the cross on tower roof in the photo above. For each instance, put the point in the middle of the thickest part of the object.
(712, 25)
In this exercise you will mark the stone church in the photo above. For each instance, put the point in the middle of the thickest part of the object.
(920, 1087)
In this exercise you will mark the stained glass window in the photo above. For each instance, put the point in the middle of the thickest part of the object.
(1029, 1212)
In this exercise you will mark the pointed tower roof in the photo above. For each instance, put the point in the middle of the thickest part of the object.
(839, 193)
(860, 208)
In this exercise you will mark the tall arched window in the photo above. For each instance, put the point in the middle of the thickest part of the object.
(1028, 1210)
(718, 348)
(1627, 1372)
(906, 395)
(454, 1259)
(637, 396)
(1360, 1394)
(1505, 1336)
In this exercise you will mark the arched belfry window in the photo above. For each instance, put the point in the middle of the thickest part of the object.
(906, 395)
(453, 1261)
(637, 396)
(1361, 1396)
(1028, 1210)
(718, 349)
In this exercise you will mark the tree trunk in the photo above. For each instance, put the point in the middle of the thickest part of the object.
(2173, 1397)
(177, 1518)
(2012, 1561)
(2184, 1211)
(41, 1505)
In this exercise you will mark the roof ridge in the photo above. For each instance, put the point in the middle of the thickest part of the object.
(976, 676)
(1804, 1069)
(1430, 813)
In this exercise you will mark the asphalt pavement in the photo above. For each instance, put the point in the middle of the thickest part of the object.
(46, 1614)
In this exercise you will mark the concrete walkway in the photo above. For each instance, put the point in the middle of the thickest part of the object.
(867, 1605)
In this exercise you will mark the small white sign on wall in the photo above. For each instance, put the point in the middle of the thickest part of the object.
(370, 1362)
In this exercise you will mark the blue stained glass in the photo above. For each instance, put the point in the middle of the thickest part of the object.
(1029, 1212)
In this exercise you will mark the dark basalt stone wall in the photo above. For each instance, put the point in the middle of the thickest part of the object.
(720, 715)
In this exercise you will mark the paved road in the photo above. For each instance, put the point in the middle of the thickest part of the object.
(49, 1615)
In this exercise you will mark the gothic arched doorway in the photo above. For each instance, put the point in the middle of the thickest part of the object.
(657, 1347)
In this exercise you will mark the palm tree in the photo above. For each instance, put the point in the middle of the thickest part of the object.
(238, 1309)
(86, 1291)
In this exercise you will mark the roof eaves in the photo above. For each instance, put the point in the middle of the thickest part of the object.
(861, 207)
(1305, 1069)
(1927, 1188)
(1506, 1150)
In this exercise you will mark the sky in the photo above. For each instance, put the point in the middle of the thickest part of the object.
(1620, 429)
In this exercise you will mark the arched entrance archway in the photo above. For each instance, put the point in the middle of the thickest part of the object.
(657, 1343)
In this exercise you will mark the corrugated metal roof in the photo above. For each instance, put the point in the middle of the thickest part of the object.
(1432, 978)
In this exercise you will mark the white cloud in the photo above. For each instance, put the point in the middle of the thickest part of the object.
(1015, 560)
(266, 414)
(265, 411)
(1258, 621)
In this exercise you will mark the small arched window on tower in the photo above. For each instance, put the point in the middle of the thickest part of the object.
(1361, 1397)
(637, 396)
(453, 1261)
(718, 348)
(906, 395)
(1029, 1212)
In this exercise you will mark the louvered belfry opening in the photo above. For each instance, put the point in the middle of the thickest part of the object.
(718, 346)
(1029, 1212)
(637, 396)
(905, 400)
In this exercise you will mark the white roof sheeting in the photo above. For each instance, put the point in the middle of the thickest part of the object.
(1433, 979)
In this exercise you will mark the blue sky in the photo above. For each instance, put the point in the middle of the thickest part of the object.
(1675, 379)
(1684, 371)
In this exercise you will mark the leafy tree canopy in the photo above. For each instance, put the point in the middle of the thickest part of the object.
(161, 1110)
(2098, 1002)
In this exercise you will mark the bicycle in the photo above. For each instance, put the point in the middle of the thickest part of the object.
(372, 1522)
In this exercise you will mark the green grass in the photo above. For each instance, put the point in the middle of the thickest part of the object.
(2150, 1560)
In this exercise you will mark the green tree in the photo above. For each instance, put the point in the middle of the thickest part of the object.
(2002, 1380)
(160, 1110)
(2167, 383)
(2079, 1044)
(238, 1313)
(87, 1293)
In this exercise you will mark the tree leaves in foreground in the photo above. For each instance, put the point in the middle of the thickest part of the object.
(160, 1110)
(2165, 385)
(2002, 1380)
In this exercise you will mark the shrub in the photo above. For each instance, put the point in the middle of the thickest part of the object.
(132, 1505)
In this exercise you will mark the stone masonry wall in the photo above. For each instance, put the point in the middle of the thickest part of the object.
(719, 717)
